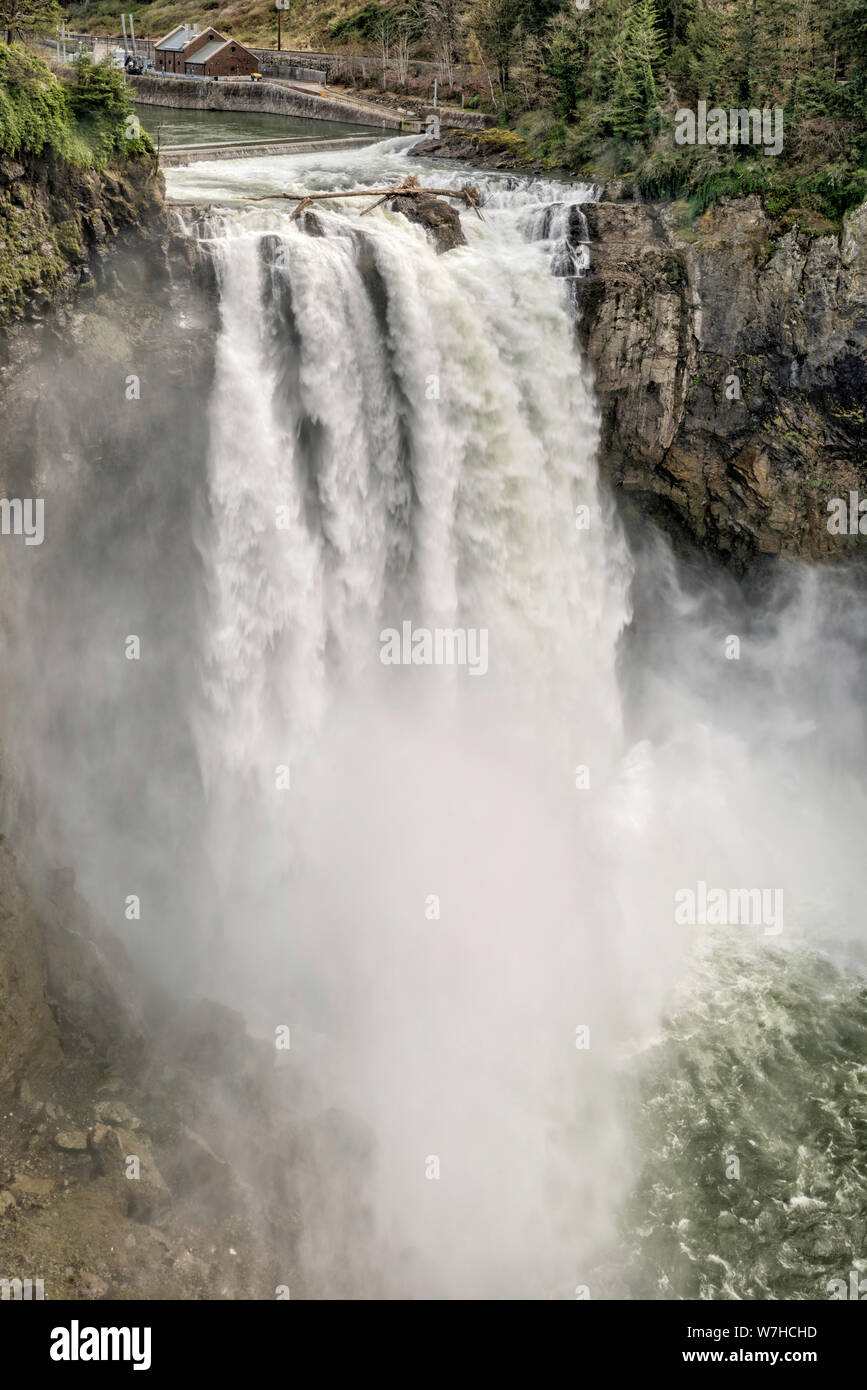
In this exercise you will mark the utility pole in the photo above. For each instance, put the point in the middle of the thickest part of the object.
(132, 35)
(123, 27)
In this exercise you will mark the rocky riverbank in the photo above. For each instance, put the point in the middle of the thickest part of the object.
(148, 1149)
(485, 149)
(115, 1176)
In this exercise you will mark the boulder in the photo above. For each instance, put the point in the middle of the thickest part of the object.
(440, 220)
(71, 1139)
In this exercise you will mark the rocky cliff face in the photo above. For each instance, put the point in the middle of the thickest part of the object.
(95, 289)
(112, 297)
(57, 223)
(731, 366)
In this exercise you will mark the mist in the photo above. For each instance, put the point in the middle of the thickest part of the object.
(457, 894)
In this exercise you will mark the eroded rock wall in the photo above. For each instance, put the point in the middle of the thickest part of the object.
(731, 367)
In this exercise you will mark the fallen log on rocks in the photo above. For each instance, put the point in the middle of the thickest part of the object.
(409, 188)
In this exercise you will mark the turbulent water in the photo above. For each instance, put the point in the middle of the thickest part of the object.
(457, 888)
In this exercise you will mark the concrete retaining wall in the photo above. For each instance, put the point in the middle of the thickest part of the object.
(453, 118)
(292, 65)
(296, 74)
(196, 95)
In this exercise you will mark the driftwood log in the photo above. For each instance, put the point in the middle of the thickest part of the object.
(409, 188)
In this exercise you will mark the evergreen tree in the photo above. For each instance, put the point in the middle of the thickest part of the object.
(635, 101)
(536, 15)
(495, 23)
(698, 43)
(848, 39)
(566, 60)
(27, 19)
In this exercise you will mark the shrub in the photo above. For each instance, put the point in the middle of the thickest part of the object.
(34, 107)
(82, 122)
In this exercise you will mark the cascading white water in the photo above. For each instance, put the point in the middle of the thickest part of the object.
(464, 870)
(424, 428)
(428, 426)
(426, 458)
(399, 437)
(564, 226)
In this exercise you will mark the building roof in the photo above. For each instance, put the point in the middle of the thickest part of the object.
(178, 38)
(204, 55)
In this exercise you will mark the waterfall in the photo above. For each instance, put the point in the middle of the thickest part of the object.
(564, 227)
(403, 438)
(386, 446)
(451, 880)
(444, 903)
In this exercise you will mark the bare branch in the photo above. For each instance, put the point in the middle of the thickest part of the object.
(409, 188)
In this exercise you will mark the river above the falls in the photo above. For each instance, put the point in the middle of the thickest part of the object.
(170, 125)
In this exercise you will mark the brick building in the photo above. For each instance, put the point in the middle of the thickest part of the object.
(167, 53)
(207, 54)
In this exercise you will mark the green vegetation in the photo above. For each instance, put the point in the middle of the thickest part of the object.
(612, 78)
(27, 19)
(596, 90)
(85, 122)
(34, 107)
(83, 126)
(367, 23)
(101, 104)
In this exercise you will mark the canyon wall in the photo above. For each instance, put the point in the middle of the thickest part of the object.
(731, 367)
